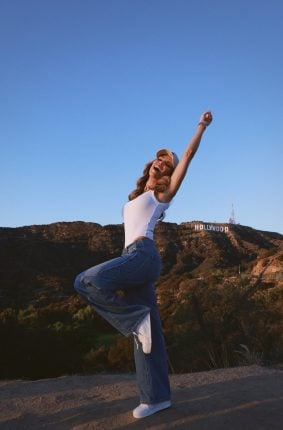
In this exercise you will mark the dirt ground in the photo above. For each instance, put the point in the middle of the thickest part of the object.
(242, 398)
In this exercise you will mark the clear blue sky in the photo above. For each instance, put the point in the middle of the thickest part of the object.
(90, 89)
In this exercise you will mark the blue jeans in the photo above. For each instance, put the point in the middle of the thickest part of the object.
(134, 273)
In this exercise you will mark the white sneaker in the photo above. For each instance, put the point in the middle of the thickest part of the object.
(144, 410)
(144, 334)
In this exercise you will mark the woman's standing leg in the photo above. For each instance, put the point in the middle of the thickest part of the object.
(151, 369)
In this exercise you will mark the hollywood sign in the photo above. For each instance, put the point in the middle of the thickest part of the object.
(211, 227)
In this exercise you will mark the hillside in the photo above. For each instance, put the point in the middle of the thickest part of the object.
(39, 263)
(220, 297)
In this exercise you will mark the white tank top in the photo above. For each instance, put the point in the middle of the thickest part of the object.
(140, 216)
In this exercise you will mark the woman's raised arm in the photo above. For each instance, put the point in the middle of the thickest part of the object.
(182, 167)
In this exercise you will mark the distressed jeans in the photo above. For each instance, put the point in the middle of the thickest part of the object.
(134, 273)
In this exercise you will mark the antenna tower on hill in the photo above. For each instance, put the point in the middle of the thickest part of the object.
(232, 216)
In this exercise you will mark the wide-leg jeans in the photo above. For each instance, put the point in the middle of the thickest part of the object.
(134, 272)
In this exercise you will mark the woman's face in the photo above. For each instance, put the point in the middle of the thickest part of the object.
(162, 166)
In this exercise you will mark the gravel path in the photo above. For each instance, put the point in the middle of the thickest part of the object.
(242, 398)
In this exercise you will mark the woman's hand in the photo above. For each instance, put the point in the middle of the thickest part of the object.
(205, 118)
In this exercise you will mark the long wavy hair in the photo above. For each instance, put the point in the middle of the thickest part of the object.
(160, 186)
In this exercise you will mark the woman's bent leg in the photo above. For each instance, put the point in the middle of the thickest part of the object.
(98, 286)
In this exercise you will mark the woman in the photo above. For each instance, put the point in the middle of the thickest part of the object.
(136, 271)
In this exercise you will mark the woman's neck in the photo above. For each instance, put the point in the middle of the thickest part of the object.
(150, 185)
